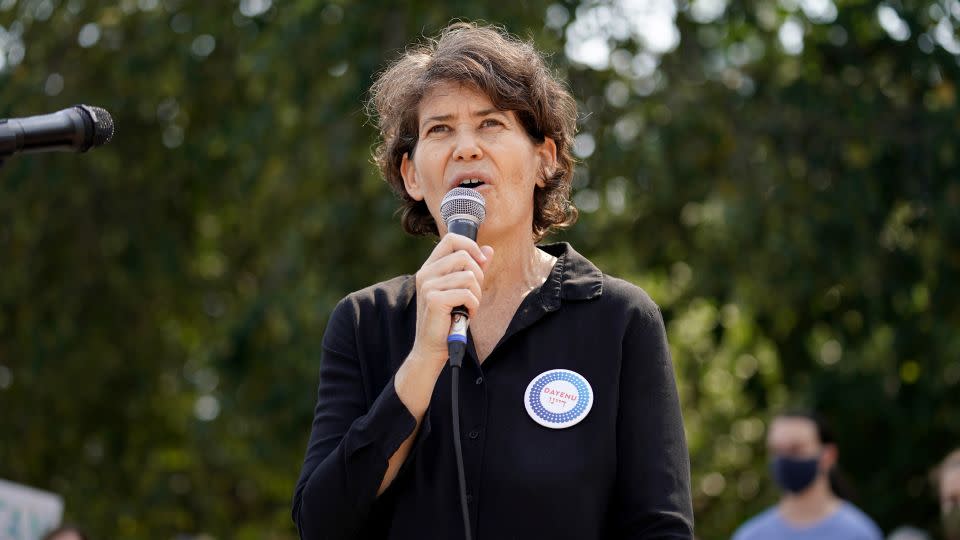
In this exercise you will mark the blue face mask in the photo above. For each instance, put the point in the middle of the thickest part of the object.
(792, 474)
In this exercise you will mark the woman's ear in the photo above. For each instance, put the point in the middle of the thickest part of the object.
(409, 173)
(547, 152)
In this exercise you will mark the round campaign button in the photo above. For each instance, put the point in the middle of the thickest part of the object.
(558, 398)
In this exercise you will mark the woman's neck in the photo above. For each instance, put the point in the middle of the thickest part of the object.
(516, 268)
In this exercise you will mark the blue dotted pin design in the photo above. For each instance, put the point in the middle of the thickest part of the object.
(558, 420)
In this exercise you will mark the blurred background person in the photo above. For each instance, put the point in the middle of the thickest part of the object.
(803, 457)
(946, 478)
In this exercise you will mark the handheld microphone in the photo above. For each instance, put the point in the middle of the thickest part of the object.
(76, 129)
(462, 209)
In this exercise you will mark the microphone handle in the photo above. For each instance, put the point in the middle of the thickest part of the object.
(65, 130)
(463, 227)
(460, 317)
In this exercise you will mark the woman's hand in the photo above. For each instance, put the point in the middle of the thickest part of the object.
(451, 276)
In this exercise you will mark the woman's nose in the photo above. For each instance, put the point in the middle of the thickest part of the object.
(468, 148)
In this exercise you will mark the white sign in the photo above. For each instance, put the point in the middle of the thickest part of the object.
(27, 513)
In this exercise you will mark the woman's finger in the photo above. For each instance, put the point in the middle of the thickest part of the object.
(456, 242)
(453, 281)
(443, 301)
(455, 262)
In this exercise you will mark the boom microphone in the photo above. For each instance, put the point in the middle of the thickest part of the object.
(76, 129)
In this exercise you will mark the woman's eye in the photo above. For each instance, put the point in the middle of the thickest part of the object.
(438, 128)
(490, 122)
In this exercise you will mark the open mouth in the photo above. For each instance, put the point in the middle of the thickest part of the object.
(472, 183)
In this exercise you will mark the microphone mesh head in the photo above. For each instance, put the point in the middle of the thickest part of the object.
(463, 202)
(102, 125)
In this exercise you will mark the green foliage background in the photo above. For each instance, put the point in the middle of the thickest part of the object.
(162, 300)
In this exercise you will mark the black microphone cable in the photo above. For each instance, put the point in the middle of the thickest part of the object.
(463, 210)
(456, 350)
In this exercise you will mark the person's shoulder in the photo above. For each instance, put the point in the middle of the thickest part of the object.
(386, 302)
(613, 294)
(583, 280)
(858, 522)
(394, 294)
(630, 295)
(397, 288)
(761, 526)
(624, 299)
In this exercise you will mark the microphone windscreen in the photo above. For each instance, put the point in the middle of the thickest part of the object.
(465, 203)
(102, 124)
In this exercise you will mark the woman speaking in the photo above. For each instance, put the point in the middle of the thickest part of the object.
(571, 425)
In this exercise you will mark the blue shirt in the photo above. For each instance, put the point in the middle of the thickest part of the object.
(845, 523)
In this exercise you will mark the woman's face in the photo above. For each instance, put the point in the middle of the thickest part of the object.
(463, 138)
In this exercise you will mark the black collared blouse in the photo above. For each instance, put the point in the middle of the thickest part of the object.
(621, 472)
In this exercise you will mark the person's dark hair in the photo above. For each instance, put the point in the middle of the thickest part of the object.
(52, 535)
(513, 75)
(839, 484)
(824, 431)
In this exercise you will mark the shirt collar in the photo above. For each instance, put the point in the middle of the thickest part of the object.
(572, 278)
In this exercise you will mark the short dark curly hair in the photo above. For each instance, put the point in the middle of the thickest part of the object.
(513, 74)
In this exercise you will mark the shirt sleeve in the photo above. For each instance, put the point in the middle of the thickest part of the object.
(653, 466)
(350, 443)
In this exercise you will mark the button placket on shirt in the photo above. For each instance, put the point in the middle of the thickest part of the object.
(479, 395)
(478, 406)
(473, 412)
